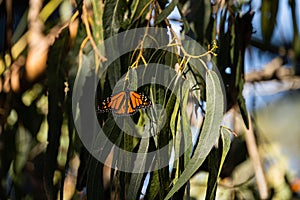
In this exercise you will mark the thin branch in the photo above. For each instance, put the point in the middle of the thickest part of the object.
(266, 73)
(281, 78)
(257, 165)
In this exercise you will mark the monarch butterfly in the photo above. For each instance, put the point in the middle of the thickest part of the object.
(124, 103)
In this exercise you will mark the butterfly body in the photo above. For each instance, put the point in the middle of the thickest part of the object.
(124, 103)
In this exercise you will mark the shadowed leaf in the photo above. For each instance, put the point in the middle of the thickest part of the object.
(166, 12)
(215, 162)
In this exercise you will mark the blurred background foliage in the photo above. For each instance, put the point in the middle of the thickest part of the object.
(43, 43)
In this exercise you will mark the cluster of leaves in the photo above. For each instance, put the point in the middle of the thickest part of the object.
(38, 137)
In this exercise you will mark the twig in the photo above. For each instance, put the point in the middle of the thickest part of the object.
(254, 156)
(281, 78)
(179, 43)
(272, 70)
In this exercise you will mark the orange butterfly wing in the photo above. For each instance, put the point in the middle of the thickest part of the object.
(119, 103)
(139, 100)
(105, 105)
(124, 103)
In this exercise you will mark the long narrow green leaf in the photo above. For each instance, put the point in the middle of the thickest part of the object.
(97, 26)
(23, 145)
(56, 78)
(185, 127)
(112, 133)
(95, 188)
(269, 10)
(112, 16)
(139, 8)
(163, 138)
(174, 116)
(224, 43)
(210, 130)
(215, 162)
(186, 26)
(243, 108)
(154, 185)
(166, 12)
(226, 140)
(135, 185)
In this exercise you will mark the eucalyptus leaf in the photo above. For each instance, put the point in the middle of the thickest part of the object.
(113, 16)
(154, 185)
(23, 145)
(138, 9)
(97, 26)
(174, 118)
(136, 180)
(210, 130)
(56, 73)
(215, 161)
(166, 12)
(185, 127)
(243, 109)
(186, 26)
(94, 184)
(269, 9)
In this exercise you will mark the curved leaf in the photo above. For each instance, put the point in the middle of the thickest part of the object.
(94, 184)
(97, 26)
(269, 10)
(112, 16)
(56, 96)
(136, 180)
(215, 162)
(138, 8)
(210, 129)
(166, 12)
(185, 127)
(154, 185)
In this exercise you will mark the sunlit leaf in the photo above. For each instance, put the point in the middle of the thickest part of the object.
(97, 17)
(185, 127)
(154, 185)
(23, 146)
(174, 118)
(210, 130)
(269, 10)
